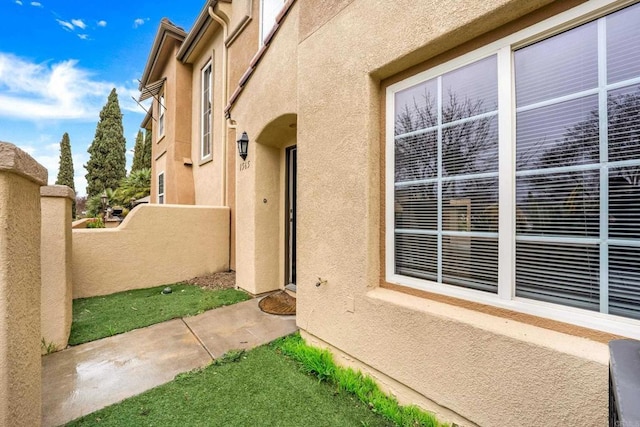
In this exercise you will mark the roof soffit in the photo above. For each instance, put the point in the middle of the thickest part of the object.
(167, 32)
(199, 31)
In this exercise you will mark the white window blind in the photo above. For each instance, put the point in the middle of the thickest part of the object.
(269, 10)
(578, 171)
(161, 188)
(567, 134)
(205, 139)
(446, 178)
(161, 113)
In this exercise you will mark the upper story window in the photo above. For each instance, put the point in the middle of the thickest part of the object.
(162, 108)
(269, 9)
(205, 117)
(513, 174)
(161, 188)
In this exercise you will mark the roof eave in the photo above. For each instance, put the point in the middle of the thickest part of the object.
(166, 29)
(197, 31)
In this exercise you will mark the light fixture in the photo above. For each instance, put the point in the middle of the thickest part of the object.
(243, 145)
(103, 199)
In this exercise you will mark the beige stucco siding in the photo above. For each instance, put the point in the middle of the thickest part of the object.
(267, 112)
(490, 370)
(174, 145)
(208, 173)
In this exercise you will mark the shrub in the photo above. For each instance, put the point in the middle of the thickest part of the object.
(95, 223)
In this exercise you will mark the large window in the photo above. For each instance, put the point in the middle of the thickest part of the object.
(513, 173)
(269, 9)
(205, 117)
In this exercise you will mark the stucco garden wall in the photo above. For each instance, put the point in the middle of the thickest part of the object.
(154, 245)
(56, 301)
(20, 383)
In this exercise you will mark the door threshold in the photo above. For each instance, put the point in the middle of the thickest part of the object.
(291, 289)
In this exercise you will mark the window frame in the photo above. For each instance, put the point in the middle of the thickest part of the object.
(209, 143)
(505, 298)
(162, 109)
(160, 194)
(263, 30)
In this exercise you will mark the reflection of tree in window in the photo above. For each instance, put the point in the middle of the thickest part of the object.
(568, 202)
(468, 147)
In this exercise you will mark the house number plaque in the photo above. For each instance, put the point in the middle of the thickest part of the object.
(245, 165)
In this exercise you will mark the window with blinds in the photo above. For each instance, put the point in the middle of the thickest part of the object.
(205, 122)
(161, 188)
(446, 178)
(548, 133)
(578, 181)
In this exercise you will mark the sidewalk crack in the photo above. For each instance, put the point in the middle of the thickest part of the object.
(198, 338)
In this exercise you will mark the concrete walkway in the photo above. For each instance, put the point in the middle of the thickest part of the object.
(88, 377)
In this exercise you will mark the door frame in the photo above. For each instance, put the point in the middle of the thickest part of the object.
(291, 189)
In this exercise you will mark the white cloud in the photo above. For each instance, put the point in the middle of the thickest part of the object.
(84, 36)
(55, 91)
(36, 4)
(48, 156)
(65, 24)
(138, 22)
(102, 23)
(79, 23)
(19, 2)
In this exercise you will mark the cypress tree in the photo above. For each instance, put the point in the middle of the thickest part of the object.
(146, 159)
(107, 162)
(138, 153)
(65, 169)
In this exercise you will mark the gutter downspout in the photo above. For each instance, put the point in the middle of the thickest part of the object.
(225, 94)
(229, 123)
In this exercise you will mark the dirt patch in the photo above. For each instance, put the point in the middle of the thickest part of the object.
(215, 281)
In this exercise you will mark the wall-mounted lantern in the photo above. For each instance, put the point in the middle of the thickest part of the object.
(103, 201)
(243, 145)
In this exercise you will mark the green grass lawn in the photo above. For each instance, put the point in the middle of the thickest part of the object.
(263, 388)
(104, 316)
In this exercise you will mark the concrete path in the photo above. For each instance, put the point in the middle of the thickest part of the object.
(88, 377)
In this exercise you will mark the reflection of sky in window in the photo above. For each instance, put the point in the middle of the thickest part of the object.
(414, 102)
(623, 39)
(474, 88)
(564, 64)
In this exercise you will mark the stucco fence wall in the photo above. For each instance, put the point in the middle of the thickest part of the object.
(154, 245)
(55, 252)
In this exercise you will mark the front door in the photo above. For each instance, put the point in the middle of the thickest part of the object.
(290, 261)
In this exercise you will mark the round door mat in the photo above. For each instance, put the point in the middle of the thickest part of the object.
(278, 303)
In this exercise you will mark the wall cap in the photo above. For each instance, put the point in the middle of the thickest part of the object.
(57, 191)
(14, 160)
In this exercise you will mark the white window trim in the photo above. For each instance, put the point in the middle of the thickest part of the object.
(164, 186)
(209, 66)
(162, 122)
(506, 244)
(261, 33)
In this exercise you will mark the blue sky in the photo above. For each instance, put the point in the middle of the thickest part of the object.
(59, 60)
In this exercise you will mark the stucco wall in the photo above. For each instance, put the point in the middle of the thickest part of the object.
(20, 181)
(154, 245)
(208, 172)
(266, 110)
(490, 370)
(56, 301)
(171, 151)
